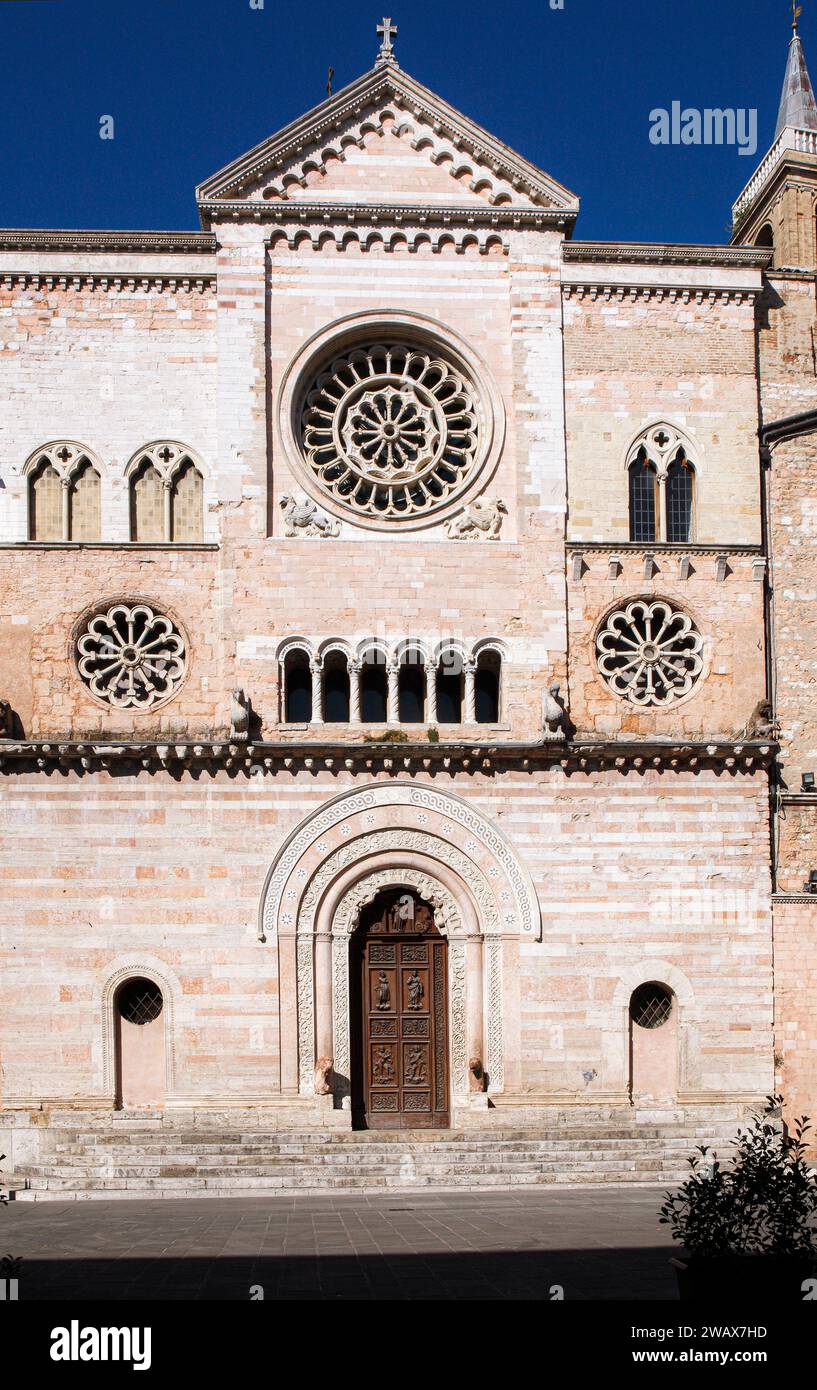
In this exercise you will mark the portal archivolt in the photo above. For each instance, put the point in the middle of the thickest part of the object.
(437, 845)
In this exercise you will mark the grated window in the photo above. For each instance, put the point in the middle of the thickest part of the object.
(650, 1006)
(139, 1001)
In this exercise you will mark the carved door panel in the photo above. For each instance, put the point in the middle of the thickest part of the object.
(404, 1016)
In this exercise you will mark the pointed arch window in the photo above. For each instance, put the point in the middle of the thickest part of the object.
(643, 500)
(679, 500)
(166, 495)
(63, 495)
(661, 482)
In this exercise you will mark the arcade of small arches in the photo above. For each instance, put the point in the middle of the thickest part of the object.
(337, 683)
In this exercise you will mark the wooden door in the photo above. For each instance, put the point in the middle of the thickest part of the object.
(403, 1017)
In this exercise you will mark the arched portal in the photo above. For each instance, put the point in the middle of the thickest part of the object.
(414, 837)
(398, 977)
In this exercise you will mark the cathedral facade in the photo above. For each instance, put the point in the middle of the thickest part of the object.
(408, 652)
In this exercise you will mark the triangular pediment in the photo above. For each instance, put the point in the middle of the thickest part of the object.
(384, 140)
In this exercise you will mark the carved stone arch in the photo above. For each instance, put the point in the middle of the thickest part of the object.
(662, 455)
(64, 466)
(334, 644)
(411, 644)
(291, 644)
(482, 889)
(384, 806)
(490, 644)
(167, 467)
(149, 968)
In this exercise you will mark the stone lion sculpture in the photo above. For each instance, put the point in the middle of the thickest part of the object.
(303, 517)
(479, 519)
(324, 1076)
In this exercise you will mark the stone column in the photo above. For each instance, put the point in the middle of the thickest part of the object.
(316, 667)
(288, 1014)
(475, 997)
(663, 529)
(470, 668)
(355, 669)
(431, 694)
(167, 493)
(393, 705)
(66, 519)
(323, 996)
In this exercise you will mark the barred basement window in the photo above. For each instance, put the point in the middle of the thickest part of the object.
(649, 652)
(139, 1001)
(131, 657)
(650, 1005)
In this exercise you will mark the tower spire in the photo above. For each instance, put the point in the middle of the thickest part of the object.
(798, 107)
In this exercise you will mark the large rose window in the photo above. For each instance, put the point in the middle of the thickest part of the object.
(131, 656)
(391, 430)
(649, 652)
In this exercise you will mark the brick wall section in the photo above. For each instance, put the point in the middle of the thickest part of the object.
(107, 871)
(795, 980)
(630, 363)
(728, 614)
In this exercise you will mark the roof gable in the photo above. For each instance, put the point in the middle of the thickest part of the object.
(385, 139)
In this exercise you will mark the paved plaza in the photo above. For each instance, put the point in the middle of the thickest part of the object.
(594, 1243)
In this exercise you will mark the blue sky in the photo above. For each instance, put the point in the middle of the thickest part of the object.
(193, 83)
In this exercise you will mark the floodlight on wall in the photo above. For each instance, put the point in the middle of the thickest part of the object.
(810, 886)
(807, 782)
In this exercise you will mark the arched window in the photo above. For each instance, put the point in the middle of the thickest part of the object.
(147, 505)
(45, 520)
(84, 517)
(643, 500)
(679, 500)
(140, 1043)
(765, 236)
(450, 680)
(63, 495)
(486, 687)
(412, 689)
(166, 495)
(297, 687)
(661, 482)
(186, 503)
(373, 689)
(653, 1044)
(336, 688)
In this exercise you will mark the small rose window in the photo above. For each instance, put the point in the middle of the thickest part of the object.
(649, 652)
(131, 656)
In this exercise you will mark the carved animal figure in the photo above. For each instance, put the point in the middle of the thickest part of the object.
(761, 722)
(301, 514)
(478, 519)
(6, 720)
(239, 717)
(324, 1076)
(553, 711)
(476, 1076)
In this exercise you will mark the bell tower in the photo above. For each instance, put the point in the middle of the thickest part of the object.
(778, 206)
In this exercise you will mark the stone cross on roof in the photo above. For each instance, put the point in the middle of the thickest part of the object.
(385, 30)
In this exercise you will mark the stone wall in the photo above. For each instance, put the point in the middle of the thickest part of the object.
(644, 876)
